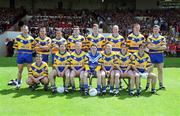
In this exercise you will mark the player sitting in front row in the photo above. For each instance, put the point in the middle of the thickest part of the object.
(77, 65)
(38, 73)
(93, 67)
(123, 60)
(141, 66)
(61, 68)
(108, 57)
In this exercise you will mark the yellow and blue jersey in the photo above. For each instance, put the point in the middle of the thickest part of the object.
(62, 60)
(98, 39)
(115, 41)
(159, 40)
(134, 41)
(37, 71)
(92, 62)
(108, 60)
(24, 44)
(43, 42)
(72, 41)
(141, 62)
(78, 60)
(57, 42)
(123, 60)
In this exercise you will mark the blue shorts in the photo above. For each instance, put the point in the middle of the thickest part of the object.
(141, 70)
(156, 58)
(45, 57)
(24, 58)
(61, 68)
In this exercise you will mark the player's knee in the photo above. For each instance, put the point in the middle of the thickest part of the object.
(45, 80)
(29, 82)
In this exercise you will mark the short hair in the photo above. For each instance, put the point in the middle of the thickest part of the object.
(94, 45)
(58, 30)
(42, 28)
(124, 44)
(76, 27)
(142, 45)
(95, 25)
(38, 56)
(135, 24)
(156, 26)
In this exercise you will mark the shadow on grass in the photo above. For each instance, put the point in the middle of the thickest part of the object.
(40, 92)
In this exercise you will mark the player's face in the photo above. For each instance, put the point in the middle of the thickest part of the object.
(76, 31)
(115, 29)
(78, 46)
(25, 30)
(95, 29)
(62, 48)
(136, 28)
(58, 33)
(93, 49)
(141, 48)
(42, 32)
(108, 49)
(123, 47)
(38, 59)
(156, 30)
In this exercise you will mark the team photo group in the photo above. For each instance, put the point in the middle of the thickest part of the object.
(109, 59)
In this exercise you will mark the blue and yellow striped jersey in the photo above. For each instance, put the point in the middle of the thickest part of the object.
(37, 71)
(134, 41)
(141, 62)
(159, 40)
(115, 41)
(108, 60)
(61, 60)
(23, 44)
(56, 43)
(123, 60)
(72, 41)
(98, 39)
(43, 42)
(78, 60)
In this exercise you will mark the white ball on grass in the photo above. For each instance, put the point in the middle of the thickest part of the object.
(60, 89)
(93, 92)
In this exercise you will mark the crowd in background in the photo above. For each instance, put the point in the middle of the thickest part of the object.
(168, 20)
(8, 17)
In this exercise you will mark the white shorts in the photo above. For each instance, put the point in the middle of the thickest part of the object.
(143, 75)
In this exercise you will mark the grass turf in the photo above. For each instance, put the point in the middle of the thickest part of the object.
(25, 102)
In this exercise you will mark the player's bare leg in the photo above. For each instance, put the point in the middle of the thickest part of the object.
(160, 75)
(72, 76)
(99, 82)
(103, 79)
(116, 82)
(67, 80)
(112, 79)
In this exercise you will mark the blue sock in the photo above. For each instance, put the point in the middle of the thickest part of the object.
(98, 87)
(103, 88)
(19, 81)
(85, 87)
(117, 89)
(138, 90)
(111, 88)
(73, 87)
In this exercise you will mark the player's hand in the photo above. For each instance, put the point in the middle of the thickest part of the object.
(59, 74)
(36, 80)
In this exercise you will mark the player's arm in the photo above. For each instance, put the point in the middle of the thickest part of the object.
(48, 46)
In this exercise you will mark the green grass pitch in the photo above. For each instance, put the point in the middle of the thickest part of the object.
(24, 102)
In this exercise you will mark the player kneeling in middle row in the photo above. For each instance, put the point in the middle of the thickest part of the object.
(38, 73)
(77, 65)
(141, 66)
(61, 68)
